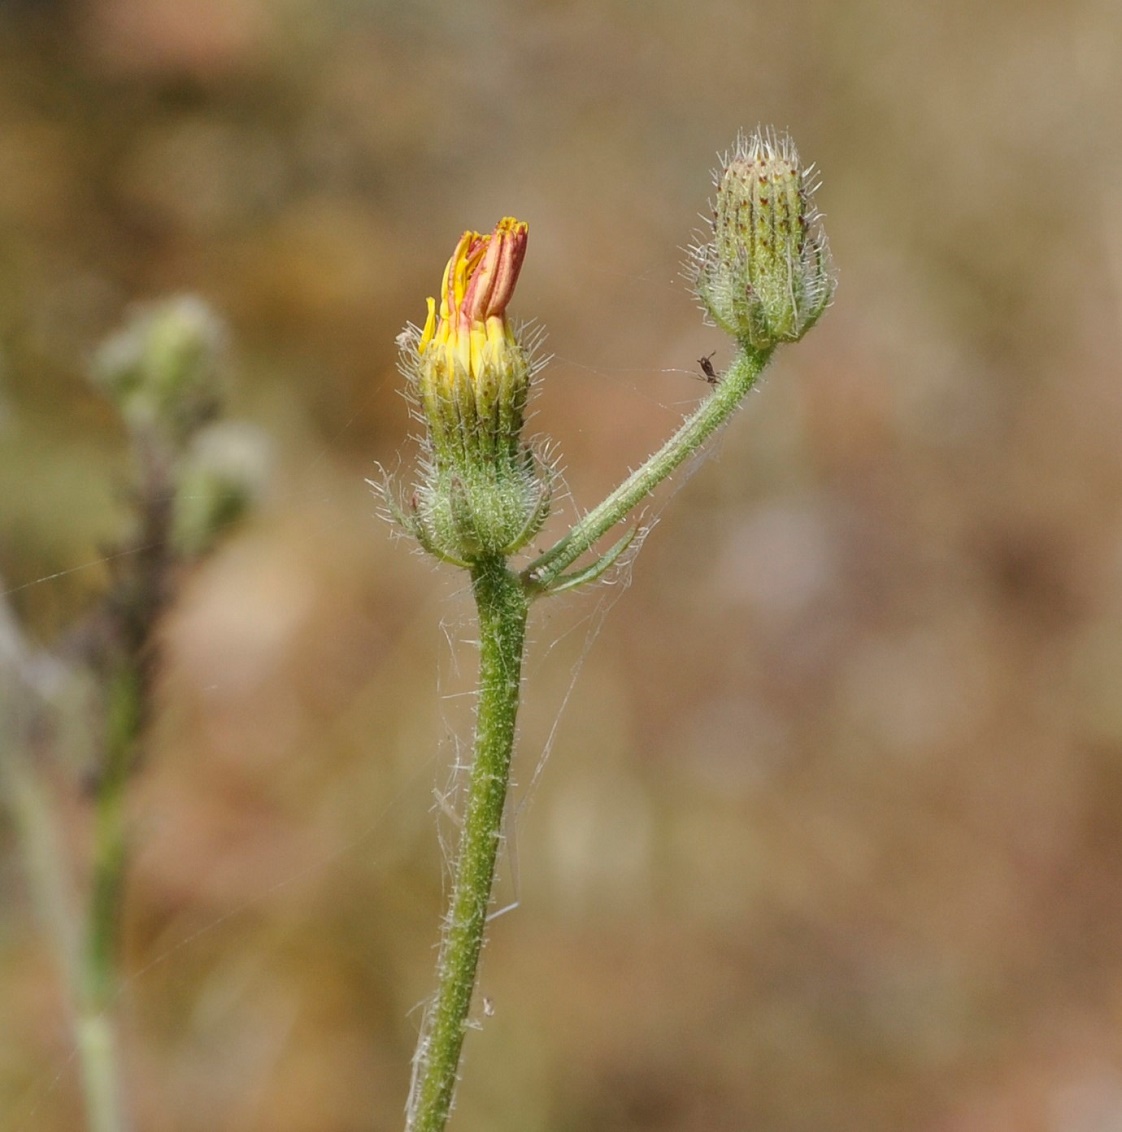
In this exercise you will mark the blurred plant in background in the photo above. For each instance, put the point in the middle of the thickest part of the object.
(194, 476)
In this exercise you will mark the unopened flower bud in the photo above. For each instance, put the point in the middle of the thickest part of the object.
(765, 275)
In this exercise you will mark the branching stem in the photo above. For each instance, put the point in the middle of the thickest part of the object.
(502, 599)
(728, 392)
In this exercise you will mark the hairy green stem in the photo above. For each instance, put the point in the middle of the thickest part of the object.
(728, 392)
(502, 605)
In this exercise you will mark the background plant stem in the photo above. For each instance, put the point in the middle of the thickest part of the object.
(133, 610)
(502, 605)
(88, 960)
(95, 1026)
(96, 1040)
(94, 1037)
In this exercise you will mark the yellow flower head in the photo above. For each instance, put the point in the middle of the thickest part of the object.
(473, 374)
(472, 333)
(484, 491)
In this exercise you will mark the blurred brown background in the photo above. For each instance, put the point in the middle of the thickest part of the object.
(828, 837)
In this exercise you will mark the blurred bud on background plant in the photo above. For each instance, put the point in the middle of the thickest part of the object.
(193, 475)
(162, 368)
(222, 476)
(483, 492)
(765, 276)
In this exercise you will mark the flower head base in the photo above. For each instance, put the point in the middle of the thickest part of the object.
(765, 276)
(484, 492)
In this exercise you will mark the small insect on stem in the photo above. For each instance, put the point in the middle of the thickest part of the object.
(707, 369)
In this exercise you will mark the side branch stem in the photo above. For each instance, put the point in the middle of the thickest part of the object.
(727, 394)
(502, 605)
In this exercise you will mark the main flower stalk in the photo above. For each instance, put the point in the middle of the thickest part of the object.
(482, 496)
(502, 604)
